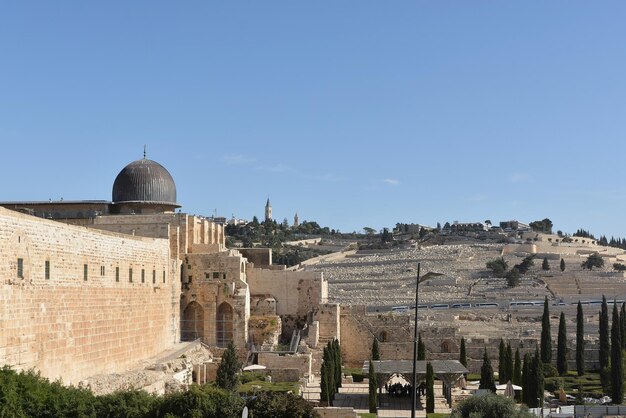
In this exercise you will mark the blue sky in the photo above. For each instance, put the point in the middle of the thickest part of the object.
(353, 113)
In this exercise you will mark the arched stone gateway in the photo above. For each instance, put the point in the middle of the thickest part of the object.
(192, 322)
(224, 325)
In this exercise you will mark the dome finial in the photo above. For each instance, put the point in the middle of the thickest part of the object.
(144, 151)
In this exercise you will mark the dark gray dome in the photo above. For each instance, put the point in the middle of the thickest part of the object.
(144, 181)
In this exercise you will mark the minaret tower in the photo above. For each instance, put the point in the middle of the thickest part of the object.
(296, 221)
(268, 210)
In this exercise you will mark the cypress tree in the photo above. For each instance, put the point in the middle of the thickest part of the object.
(604, 335)
(375, 350)
(545, 265)
(486, 374)
(333, 367)
(561, 350)
(330, 362)
(580, 340)
(546, 338)
(501, 363)
(463, 353)
(617, 368)
(421, 348)
(508, 362)
(430, 389)
(324, 385)
(517, 369)
(373, 389)
(528, 389)
(226, 377)
(539, 379)
(337, 353)
(622, 322)
(562, 265)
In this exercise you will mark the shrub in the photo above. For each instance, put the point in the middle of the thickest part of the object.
(490, 406)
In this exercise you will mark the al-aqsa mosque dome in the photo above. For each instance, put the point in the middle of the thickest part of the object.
(144, 186)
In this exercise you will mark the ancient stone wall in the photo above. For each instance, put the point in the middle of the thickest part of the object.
(77, 302)
(329, 318)
(296, 292)
(191, 230)
(260, 257)
(215, 304)
(302, 362)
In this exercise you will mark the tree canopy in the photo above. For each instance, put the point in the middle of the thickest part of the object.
(594, 260)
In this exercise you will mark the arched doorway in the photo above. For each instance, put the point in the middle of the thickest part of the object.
(224, 325)
(192, 326)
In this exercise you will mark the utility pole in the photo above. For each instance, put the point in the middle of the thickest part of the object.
(414, 388)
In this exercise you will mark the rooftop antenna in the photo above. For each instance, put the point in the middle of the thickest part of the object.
(144, 151)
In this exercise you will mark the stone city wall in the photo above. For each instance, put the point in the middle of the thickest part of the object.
(77, 302)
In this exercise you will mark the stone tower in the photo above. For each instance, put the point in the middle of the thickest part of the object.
(268, 210)
(296, 220)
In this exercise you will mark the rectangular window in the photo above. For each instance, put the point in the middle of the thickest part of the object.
(130, 274)
(20, 268)
(143, 275)
(101, 270)
(216, 275)
(85, 271)
(163, 276)
(117, 274)
(47, 270)
(153, 276)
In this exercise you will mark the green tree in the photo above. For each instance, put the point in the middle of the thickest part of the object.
(622, 322)
(508, 362)
(594, 260)
(562, 265)
(463, 353)
(386, 236)
(329, 359)
(544, 226)
(200, 401)
(373, 389)
(580, 340)
(498, 266)
(545, 265)
(605, 347)
(489, 406)
(528, 386)
(486, 374)
(337, 358)
(227, 373)
(617, 367)
(430, 389)
(561, 347)
(421, 348)
(326, 382)
(619, 267)
(526, 264)
(517, 368)
(537, 377)
(375, 350)
(546, 337)
(501, 362)
(280, 405)
(512, 277)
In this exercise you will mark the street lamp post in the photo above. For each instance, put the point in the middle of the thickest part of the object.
(414, 388)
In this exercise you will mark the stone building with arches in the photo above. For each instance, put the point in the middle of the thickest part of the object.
(155, 275)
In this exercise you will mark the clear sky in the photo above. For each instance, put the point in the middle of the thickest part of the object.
(352, 113)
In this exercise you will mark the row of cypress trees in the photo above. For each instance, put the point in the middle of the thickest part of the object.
(330, 372)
